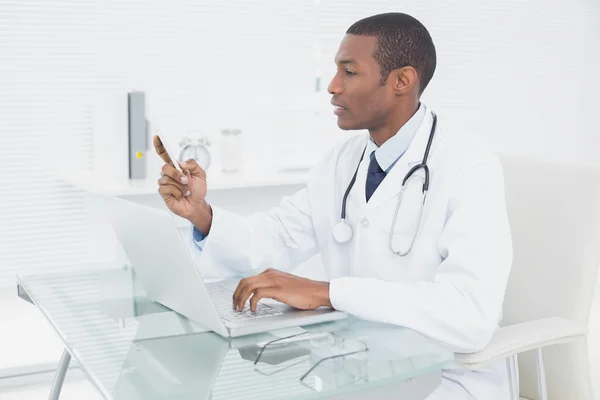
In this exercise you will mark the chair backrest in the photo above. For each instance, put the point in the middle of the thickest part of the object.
(554, 212)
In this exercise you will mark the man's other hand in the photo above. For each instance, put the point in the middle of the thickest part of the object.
(286, 288)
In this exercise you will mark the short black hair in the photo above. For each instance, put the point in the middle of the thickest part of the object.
(401, 41)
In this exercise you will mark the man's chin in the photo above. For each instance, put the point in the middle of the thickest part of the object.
(345, 125)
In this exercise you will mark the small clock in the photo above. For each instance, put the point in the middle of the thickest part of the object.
(198, 149)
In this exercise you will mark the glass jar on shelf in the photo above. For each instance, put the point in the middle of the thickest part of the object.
(231, 150)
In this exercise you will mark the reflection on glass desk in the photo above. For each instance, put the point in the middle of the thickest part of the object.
(132, 348)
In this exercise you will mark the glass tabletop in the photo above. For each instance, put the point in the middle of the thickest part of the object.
(132, 348)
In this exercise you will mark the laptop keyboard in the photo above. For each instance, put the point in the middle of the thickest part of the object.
(222, 299)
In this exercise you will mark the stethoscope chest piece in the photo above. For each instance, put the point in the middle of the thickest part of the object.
(342, 232)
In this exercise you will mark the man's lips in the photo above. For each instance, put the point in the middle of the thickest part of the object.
(338, 109)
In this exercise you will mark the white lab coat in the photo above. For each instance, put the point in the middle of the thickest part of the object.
(450, 287)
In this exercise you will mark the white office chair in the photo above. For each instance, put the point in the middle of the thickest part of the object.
(554, 212)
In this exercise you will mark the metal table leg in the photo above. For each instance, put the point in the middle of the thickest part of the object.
(59, 378)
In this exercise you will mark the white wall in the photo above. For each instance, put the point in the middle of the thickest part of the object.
(591, 99)
(522, 74)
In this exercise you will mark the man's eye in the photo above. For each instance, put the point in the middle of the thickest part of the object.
(350, 73)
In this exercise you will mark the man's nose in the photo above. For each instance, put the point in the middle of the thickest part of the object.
(335, 86)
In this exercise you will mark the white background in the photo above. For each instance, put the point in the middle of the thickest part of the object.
(522, 74)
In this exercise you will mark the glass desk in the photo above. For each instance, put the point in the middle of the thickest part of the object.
(132, 348)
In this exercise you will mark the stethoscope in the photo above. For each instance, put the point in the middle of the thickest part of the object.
(343, 232)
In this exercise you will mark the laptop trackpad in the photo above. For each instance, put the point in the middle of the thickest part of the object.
(278, 305)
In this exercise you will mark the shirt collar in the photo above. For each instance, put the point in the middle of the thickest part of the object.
(390, 152)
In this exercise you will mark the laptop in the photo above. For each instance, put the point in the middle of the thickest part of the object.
(163, 264)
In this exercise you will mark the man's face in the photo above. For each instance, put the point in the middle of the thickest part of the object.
(360, 99)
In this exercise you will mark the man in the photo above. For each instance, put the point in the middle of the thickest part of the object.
(450, 285)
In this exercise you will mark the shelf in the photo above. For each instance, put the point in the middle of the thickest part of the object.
(217, 180)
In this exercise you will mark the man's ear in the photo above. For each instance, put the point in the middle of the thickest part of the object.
(405, 80)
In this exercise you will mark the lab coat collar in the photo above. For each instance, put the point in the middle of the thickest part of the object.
(392, 183)
(390, 152)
